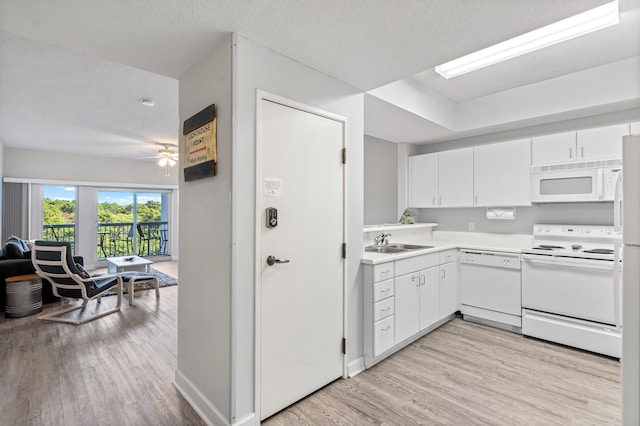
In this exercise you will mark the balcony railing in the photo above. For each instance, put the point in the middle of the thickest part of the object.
(63, 232)
(119, 239)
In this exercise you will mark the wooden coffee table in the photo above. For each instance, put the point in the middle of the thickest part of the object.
(128, 263)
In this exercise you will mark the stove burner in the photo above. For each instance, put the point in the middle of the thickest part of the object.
(547, 247)
(599, 251)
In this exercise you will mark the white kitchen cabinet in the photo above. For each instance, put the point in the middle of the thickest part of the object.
(379, 307)
(423, 180)
(443, 179)
(556, 148)
(634, 128)
(601, 142)
(402, 300)
(417, 300)
(448, 282)
(502, 174)
(407, 306)
(455, 178)
(429, 297)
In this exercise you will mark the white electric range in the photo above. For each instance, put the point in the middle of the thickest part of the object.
(568, 292)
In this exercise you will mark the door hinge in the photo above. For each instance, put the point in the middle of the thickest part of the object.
(344, 346)
(344, 155)
(344, 250)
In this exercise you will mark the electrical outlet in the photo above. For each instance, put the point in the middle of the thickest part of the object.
(472, 226)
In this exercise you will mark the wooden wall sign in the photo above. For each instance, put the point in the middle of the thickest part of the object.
(201, 151)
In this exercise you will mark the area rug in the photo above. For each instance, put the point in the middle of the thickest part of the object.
(164, 280)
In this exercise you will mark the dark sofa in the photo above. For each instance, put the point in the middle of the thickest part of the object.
(14, 260)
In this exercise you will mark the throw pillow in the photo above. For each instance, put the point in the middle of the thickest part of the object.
(13, 248)
(82, 272)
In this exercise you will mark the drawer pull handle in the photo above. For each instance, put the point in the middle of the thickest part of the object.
(385, 328)
(385, 309)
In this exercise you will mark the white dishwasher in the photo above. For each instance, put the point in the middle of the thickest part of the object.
(491, 290)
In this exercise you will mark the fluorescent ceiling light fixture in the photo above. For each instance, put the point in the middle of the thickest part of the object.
(583, 23)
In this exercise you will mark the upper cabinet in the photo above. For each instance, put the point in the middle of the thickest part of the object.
(442, 179)
(557, 148)
(423, 180)
(455, 177)
(601, 143)
(635, 128)
(502, 174)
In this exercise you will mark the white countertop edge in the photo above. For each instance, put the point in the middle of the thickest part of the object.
(376, 258)
(389, 227)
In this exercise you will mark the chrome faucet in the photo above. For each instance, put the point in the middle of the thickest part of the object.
(381, 240)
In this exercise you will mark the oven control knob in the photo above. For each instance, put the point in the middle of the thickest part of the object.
(608, 230)
(587, 230)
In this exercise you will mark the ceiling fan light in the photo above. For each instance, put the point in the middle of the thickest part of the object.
(162, 162)
(172, 162)
(566, 29)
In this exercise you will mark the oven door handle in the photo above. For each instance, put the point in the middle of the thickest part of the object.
(569, 262)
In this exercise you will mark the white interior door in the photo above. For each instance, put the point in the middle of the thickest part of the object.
(301, 300)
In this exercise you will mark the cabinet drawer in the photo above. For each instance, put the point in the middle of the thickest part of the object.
(383, 271)
(382, 290)
(383, 335)
(448, 256)
(416, 263)
(383, 309)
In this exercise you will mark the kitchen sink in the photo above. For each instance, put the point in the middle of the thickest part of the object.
(408, 246)
(394, 248)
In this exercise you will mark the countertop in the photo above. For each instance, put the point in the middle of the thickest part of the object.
(506, 243)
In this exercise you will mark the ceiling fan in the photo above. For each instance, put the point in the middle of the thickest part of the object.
(166, 158)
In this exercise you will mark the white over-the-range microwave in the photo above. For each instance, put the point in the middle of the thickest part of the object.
(575, 182)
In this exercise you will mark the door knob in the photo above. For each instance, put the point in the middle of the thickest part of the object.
(272, 260)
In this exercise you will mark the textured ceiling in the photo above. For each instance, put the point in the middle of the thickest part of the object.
(80, 66)
(366, 43)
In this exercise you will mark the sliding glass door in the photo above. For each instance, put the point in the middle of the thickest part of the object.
(132, 223)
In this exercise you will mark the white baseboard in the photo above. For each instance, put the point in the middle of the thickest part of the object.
(355, 367)
(249, 419)
(209, 413)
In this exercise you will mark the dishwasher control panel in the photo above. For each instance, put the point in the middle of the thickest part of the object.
(490, 259)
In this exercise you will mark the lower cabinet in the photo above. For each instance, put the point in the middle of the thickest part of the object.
(449, 300)
(405, 297)
(417, 302)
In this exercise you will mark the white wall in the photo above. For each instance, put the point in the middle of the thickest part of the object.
(259, 68)
(204, 303)
(381, 181)
(217, 215)
(22, 163)
(1, 194)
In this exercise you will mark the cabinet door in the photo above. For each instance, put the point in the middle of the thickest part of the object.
(557, 148)
(423, 180)
(634, 128)
(448, 289)
(502, 174)
(601, 142)
(429, 297)
(455, 178)
(407, 308)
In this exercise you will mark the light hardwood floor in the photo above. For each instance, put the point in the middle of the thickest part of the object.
(469, 374)
(118, 370)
